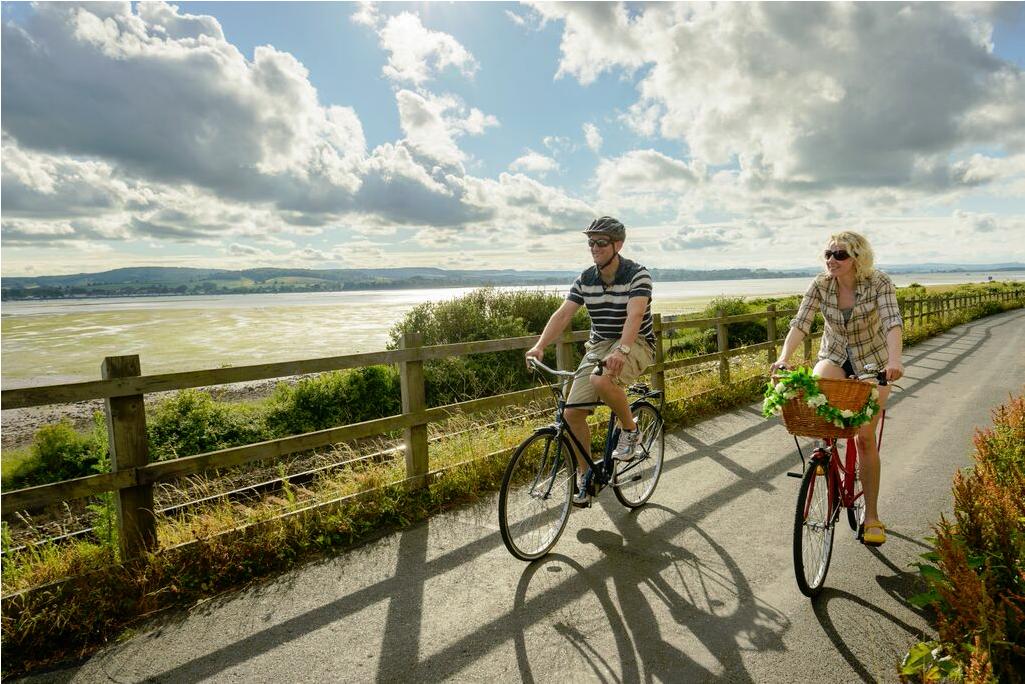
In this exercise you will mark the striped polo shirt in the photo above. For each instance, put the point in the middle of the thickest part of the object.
(606, 304)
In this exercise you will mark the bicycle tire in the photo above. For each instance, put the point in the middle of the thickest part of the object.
(813, 533)
(534, 501)
(643, 472)
(856, 512)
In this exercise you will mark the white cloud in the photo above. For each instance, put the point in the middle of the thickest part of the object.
(646, 172)
(432, 122)
(807, 96)
(515, 18)
(179, 104)
(534, 162)
(593, 137)
(699, 238)
(417, 54)
(235, 249)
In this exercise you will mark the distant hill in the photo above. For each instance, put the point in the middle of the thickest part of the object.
(160, 280)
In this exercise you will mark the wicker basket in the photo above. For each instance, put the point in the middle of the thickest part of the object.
(801, 419)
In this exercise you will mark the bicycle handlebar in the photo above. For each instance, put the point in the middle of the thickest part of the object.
(538, 365)
(879, 377)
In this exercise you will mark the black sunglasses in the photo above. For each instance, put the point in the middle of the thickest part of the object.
(599, 243)
(839, 255)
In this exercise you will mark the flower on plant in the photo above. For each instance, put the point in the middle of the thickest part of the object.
(847, 413)
(780, 387)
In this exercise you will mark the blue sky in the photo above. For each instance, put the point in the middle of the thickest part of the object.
(487, 135)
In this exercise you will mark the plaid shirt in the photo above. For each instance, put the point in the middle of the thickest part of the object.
(875, 312)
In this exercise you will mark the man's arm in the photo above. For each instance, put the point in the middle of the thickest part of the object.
(635, 308)
(556, 324)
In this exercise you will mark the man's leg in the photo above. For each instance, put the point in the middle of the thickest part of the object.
(615, 396)
(576, 418)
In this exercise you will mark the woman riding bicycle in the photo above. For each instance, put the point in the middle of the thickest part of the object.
(863, 327)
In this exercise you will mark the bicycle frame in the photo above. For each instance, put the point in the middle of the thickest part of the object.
(603, 470)
(841, 477)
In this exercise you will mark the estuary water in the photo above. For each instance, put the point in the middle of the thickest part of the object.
(47, 342)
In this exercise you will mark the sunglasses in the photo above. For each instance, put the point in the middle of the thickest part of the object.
(839, 255)
(599, 243)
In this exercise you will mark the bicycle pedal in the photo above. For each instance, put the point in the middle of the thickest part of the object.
(797, 475)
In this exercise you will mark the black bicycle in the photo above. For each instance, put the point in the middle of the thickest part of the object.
(538, 486)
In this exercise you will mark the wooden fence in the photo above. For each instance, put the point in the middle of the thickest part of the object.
(123, 387)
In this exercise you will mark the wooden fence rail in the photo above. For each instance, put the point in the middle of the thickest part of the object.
(123, 388)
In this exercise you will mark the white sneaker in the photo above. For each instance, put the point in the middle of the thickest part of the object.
(626, 449)
(582, 497)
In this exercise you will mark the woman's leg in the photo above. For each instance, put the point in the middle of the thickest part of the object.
(868, 459)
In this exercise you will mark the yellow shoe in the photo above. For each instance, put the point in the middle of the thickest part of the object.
(873, 534)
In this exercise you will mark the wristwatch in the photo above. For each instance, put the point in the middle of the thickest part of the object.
(624, 349)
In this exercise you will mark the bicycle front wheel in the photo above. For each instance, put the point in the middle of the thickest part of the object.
(813, 530)
(534, 502)
(635, 480)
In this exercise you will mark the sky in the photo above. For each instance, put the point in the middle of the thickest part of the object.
(488, 135)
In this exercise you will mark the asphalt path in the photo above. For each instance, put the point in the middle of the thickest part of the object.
(696, 586)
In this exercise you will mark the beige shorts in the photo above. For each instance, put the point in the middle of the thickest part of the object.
(640, 357)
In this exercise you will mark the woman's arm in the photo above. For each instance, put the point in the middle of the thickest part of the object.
(800, 326)
(894, 350)
(790, 345)
(893, 324)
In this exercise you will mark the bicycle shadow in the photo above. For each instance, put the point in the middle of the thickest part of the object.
(698, 586)
(820, 607)
(903, 583)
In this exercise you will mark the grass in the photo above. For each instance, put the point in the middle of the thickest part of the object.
(63, 602)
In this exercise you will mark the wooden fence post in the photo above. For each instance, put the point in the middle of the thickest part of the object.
(129, 449)
(411, 380)
(770, 330)
(723, 342)
(658, 378)
(564, 353)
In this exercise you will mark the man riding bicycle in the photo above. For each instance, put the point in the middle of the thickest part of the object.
(617, 294)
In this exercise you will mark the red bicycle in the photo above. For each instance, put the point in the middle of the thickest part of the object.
(829, 483)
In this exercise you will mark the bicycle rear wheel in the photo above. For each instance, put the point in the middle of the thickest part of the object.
(534, 502)
(813, 531)
(635, 480)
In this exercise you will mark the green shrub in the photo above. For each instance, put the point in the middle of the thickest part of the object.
(191, 422)
(738, 334)
(332, 399)
(483, 314)
(59, 452)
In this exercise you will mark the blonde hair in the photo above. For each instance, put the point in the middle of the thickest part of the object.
(860, 250)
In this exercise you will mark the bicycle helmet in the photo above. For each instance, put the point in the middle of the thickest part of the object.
(606, 225)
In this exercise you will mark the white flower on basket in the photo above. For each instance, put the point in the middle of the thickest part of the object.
(838, 423)
(868, 411)
(780, 387)
(790, 395)
(875, 392)
(776, 410)
(817, 400)
(847, 413)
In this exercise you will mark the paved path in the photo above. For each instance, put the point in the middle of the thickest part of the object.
(697, 586)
